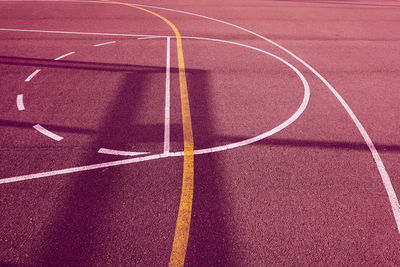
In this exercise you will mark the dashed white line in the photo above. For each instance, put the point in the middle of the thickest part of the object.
(120, 152)
(97, 45)
(46, 132)
(167, 99)
(20, 102)
(32, 75)
(63, 56)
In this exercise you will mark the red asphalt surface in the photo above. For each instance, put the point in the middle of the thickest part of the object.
(310, 194)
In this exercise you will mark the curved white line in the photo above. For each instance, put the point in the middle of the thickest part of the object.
(120, 152)
(46, 132)
(20, 102)
(32, 75)
(63, 56)
(394, 202)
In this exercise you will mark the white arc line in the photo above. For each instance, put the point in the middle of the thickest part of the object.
(97, 45)
(394, 202)
(63, 56)
(167, 125)
(20, 102)
(120, 152)
(278, 128)
(46, 132)
(32, 75)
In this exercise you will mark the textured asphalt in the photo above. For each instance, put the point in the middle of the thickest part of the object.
(310, 194)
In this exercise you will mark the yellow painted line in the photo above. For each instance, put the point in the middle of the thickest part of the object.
(182, 227)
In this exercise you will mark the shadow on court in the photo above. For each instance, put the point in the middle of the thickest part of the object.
(209, 241)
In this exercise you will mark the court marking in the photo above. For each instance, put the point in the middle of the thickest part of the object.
(391, 194)
(63, 56)
(29, 78)
(381, 168)
(182, 228)
(120, 152)
(107, 43)
(48, 133)
(80, 33)
(148, 37)
(248, 141)
(167, 127)
(20, 102)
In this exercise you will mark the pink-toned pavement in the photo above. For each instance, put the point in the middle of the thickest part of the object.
(309, 194)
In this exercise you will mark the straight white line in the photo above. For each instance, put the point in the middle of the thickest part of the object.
(80, 169)
(167, 98)
(120, 152)
(149, 37)
(46, 132)
(97, 45)
(63, 56)
(32, 75)
(82, 33)
(20, 102)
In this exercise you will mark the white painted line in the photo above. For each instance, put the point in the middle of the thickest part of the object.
(167, 99)
(149, 37)
(83, 33)
(46, 132)
(97, 45)
(120, 152)
(394, 202)
(32, 75)
(20, 102)
(63, 56)
(78, 169)
(278, 128)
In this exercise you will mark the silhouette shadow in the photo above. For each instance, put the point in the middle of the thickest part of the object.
(209, 234)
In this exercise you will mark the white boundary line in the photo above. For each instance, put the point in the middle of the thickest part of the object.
(20, 102)
(32, 75)
(81, 33)
(46, 132)
(120, 152)
(97, 45)
(167, 116)
(80, 169)
(394, 202)
(63, 56)
(148, 37)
